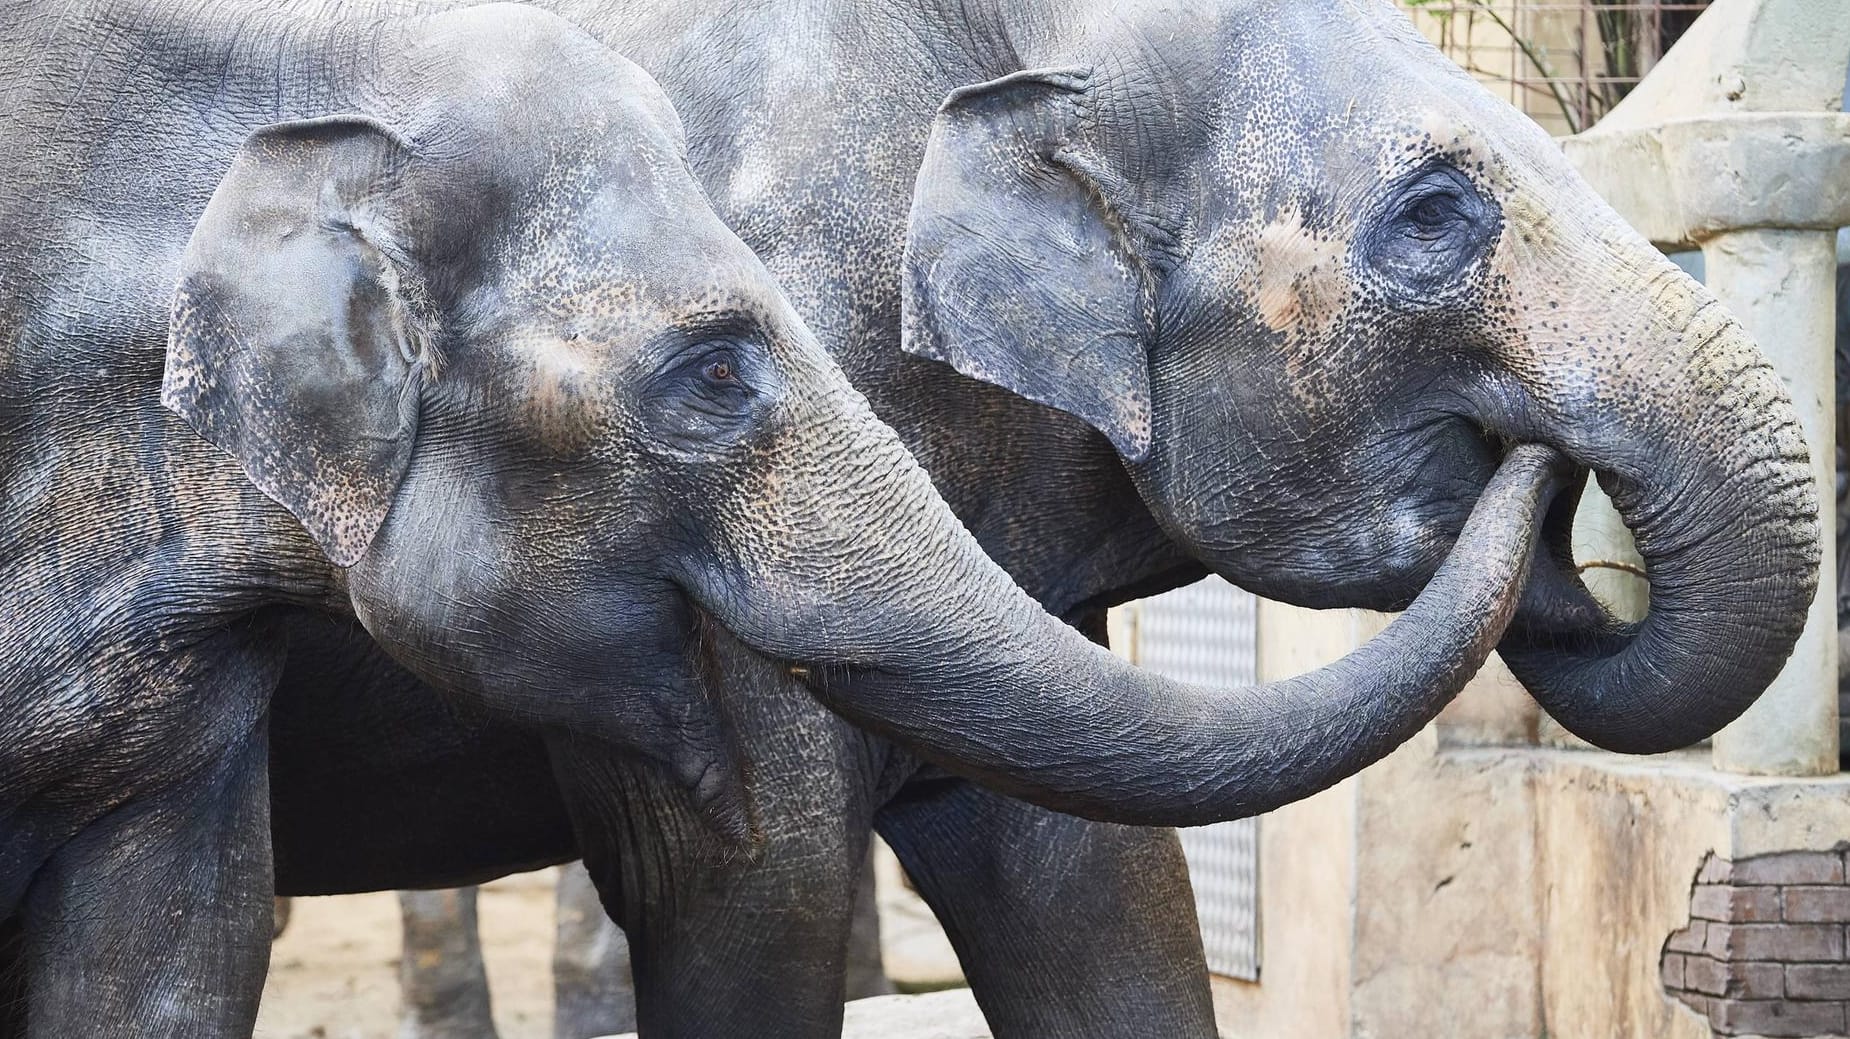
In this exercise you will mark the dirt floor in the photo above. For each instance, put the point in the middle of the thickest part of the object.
(334, 972)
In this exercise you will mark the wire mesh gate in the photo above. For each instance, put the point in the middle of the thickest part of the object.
(1207, 633)
(1565, 62)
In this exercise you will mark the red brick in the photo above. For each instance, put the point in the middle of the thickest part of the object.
(1671, 970)
(1818, 981)
(1776, 1018)
(1784, 943)
(1709, 902)
(1818, 904)
(1689, 939)
(1715, 870)
(1737, 904)
(1755, 905)
(1791, 867)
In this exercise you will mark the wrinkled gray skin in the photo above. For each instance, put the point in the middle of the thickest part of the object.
(1250, 286)
(424, 325)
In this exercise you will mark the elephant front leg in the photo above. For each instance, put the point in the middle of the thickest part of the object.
(722, 943)
(593, 994)
(154, 920)
(1064, 926)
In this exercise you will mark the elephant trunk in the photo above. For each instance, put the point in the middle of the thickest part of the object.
(1720, 498)
(994, 688)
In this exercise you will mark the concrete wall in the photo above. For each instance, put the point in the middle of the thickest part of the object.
(1479, 885)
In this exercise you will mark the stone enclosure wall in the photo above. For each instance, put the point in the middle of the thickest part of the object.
(1765, 950)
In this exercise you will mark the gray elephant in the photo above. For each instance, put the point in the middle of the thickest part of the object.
(424, 324)
(1151, 289)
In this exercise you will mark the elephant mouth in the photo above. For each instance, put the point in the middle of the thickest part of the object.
(1556, 602)
(1458, 462)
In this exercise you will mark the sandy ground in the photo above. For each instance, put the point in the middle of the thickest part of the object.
(334, 972)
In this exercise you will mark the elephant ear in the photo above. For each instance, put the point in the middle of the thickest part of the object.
(1021, 267)
(291, 345)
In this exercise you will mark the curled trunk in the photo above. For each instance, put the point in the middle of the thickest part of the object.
(1038, 712)
(1724, 509)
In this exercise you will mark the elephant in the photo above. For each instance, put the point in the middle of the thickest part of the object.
(1151, 289)
(423, 326)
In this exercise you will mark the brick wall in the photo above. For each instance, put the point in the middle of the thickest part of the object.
(1765, 950)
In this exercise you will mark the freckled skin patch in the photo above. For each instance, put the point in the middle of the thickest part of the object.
(1298, 278)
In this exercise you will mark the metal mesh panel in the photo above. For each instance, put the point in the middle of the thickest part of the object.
(1206, 633)
(1565, 62)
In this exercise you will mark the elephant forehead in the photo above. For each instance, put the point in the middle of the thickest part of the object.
(618, 315)
(626, 248)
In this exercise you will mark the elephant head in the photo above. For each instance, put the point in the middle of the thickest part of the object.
(1310, 280)
(538, 416)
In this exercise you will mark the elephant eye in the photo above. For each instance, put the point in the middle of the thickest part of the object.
(710, 392)
(1426, 242)
(1431, 215)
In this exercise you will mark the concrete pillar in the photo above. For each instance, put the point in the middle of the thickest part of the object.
(1782, 287)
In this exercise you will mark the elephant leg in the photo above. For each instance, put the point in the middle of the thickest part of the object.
(154, 920)
(722, 943)
(440, 974)
(592, 991)
(1064, 926)
(730, 938)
